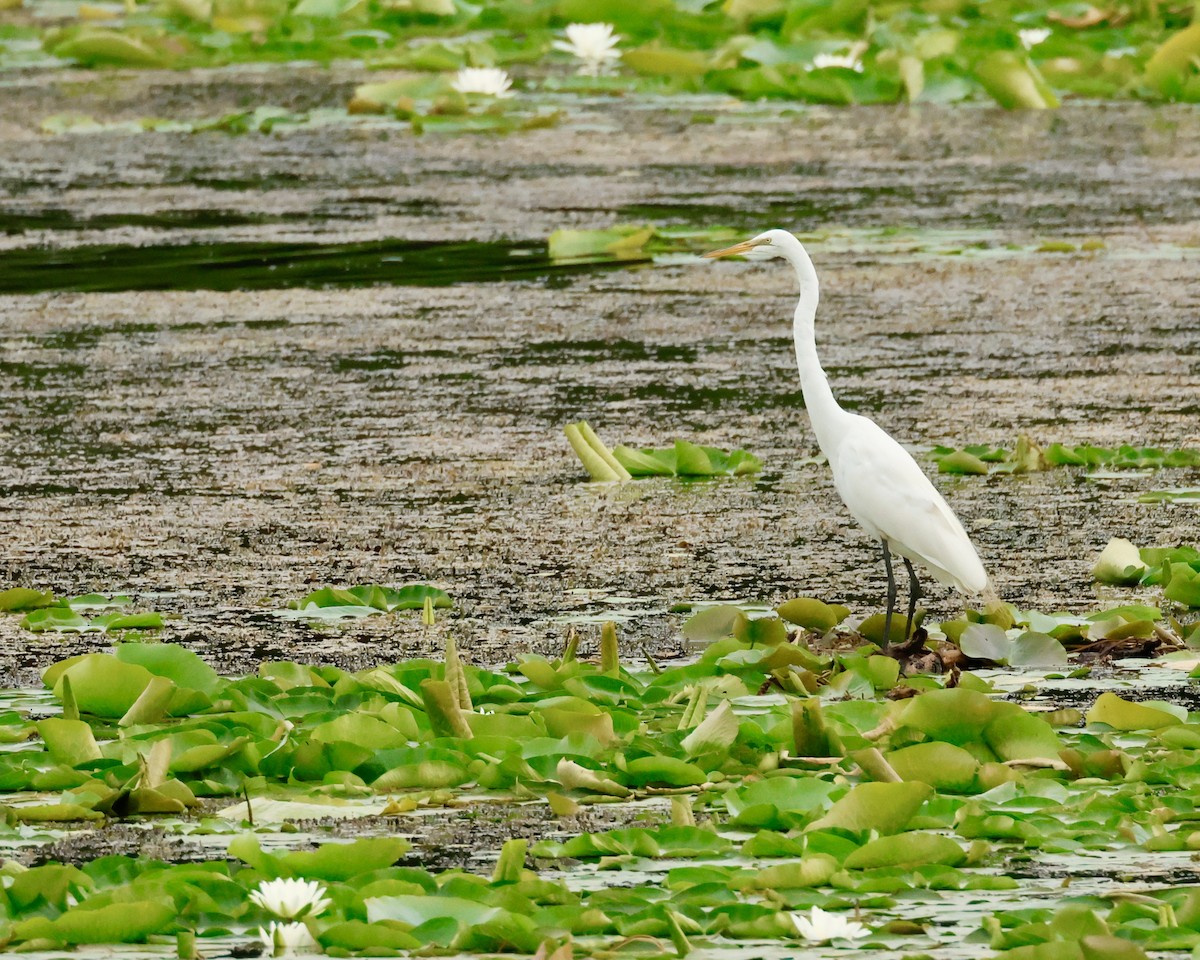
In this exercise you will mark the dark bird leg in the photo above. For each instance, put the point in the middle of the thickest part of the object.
(914, 594)
(891, 595)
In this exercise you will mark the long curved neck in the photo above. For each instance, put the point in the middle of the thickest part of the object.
(823, 409)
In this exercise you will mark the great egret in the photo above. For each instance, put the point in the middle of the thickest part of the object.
(876, 478)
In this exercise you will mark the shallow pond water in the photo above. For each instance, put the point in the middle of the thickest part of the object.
(276, 404)
(245, 446)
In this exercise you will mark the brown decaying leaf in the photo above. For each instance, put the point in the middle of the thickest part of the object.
(1093, 17)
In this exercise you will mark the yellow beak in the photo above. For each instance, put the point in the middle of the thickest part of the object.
(738, 248)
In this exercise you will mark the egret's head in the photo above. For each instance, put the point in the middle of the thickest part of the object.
(763, 247)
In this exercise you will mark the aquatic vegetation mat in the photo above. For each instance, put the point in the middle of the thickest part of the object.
(789, 772)
(366, 600)
(45, 612)
(684, 459)
(1175, 569)
(1016, 55)
(1026, 456)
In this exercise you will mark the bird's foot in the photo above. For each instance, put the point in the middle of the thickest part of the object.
(909, 648)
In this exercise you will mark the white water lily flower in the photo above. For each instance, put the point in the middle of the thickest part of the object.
(593, 43)
(1031, 38)
(846, 61)
(291, 898)
(486, 81)
(820, 926)
(287, 939)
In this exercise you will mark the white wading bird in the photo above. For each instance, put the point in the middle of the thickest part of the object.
(876, 478)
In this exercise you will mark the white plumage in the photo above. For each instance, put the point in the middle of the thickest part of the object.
(883, 487)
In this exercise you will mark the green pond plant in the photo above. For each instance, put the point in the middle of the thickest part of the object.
(43, 612)
(1027, 457)
(1175, 569)
(367, 600)
(796, 790)
(1017, 55)
(684, 459)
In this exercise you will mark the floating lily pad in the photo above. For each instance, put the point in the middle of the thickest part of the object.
(941, 765)
(1119, 563)
(102, 685)
(906, 850)
(687, 460)
(712, 623)
(113, 923)
(986, 641)
(1121, 714)
(881, 807)
(779, 803)
(813, 614)
(334, 603)
(91, 46)
(19, 599)
(619, 243)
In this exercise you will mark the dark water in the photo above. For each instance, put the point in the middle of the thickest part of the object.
(273, 266)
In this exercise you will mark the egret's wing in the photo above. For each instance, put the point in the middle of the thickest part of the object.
(889, 494)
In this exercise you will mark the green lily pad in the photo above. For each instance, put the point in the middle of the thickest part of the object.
(715, 733)
(172, 661)
(1174, 60)
(986, 641)
(644, 464)
(664, 61)
(962, 462)
(956, 716)
(69, 741)
(687, 459)
(56, 619)
(882, 807)
(412, 596)
(621, 243)
(339, 862)
(415, 911)
(114, 923)
(93, 46)
(1032, 649)
(809, 871)
(663, 771)
(813, 614)
(906, 850)
(103, 685)
(712, 623)
(361, 729)
(1182, 585)
(759, 631)
(1017, 735)
(357, 935)
(781, 802)
(941, 765)
(19, 599)
(97, 601)
(1121, 714)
